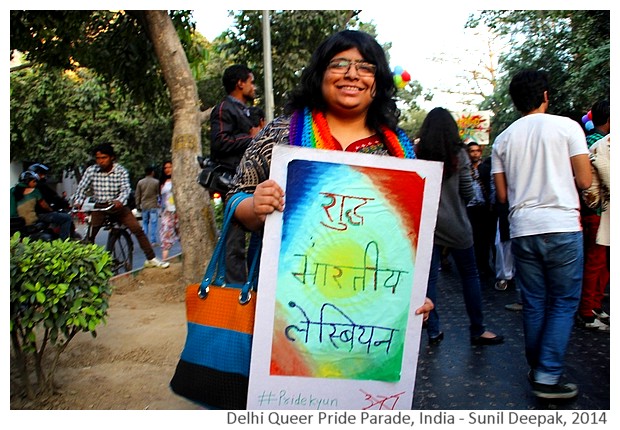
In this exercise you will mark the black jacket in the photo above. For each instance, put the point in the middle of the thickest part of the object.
(230, 127)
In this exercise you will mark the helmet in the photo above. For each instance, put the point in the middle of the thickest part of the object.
(28, 176)
(39, 168)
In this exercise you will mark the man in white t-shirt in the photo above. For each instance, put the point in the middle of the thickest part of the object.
(538, 164)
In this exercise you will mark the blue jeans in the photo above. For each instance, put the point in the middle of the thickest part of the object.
(149, 223)
(549, 272)
(465, 260)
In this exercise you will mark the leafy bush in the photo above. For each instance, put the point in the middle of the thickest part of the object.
(58, 289)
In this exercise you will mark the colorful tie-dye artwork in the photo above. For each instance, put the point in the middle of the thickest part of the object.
(343, 269)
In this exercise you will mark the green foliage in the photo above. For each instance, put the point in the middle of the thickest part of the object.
(112, 42)
(572, 45)
(58, 289)
(218, 209)
(57, 117)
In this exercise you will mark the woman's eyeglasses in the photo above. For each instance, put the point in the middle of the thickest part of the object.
(342, 65)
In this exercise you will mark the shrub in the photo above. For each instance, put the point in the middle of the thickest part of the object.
(58, 289)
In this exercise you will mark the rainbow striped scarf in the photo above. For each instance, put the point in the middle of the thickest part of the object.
(310, 129)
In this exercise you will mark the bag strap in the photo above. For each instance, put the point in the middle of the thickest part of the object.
(246, 291)
(216, 270)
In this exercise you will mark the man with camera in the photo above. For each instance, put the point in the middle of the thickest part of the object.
(232, 130)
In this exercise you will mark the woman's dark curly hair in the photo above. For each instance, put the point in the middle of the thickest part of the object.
(382, 111)
(440, 140)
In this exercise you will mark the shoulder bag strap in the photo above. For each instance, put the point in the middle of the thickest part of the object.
(219, 251)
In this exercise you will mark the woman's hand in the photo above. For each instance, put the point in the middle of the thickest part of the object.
(425, 309)
(268, 197)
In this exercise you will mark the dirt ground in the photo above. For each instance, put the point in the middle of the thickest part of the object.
(130, 363)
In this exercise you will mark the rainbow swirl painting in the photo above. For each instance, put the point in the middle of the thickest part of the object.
(345, 273)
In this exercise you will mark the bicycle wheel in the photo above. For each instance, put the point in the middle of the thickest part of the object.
(120, 246)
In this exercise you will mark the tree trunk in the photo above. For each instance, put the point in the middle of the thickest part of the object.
(196, 217)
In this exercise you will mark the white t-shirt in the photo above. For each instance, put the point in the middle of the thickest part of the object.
(534, 153)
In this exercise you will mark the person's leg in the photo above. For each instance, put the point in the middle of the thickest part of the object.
(564, 271)
(465, 260)
(164, 234)
(530, 279)
(145, 221)
(491, 229)
(432, 324)
(62, 220)
(126, 218)
(167, 232)
(96, 221)
(153, 220)
(595, 273)
(476, 219)
(549, 272)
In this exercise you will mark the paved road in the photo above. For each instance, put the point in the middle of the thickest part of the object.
(455, 375)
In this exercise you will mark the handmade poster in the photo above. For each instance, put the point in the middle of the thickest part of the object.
(474, 126)
(343, 269)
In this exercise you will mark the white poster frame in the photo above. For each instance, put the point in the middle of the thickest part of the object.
(298, 393)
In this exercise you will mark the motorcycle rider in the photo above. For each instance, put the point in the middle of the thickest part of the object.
(50, 196)
(27, 202)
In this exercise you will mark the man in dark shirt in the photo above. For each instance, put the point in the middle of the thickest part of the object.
(232, 130)
(231, 125)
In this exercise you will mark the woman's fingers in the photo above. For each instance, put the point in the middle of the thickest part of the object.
(268, 197)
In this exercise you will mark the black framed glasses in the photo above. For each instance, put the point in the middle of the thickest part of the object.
(342, 65)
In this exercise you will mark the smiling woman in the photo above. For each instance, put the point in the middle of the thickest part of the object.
(348, 111)
(435, 56)
(336, 107)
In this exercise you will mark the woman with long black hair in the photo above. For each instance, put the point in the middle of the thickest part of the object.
(439, 140)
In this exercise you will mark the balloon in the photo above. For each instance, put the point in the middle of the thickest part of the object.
(585, 118)
(589, 125)
(401, 77)
(589, 114)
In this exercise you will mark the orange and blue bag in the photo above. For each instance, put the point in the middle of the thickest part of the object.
(214, 365)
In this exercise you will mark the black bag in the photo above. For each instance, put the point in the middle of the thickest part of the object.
(215, 177)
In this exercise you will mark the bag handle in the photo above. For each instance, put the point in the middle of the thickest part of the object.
(246, 291)
(216, 270)
(219, 251)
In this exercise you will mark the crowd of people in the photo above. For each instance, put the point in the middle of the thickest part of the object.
(516, 216)
(524, 198)
(106, 183)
